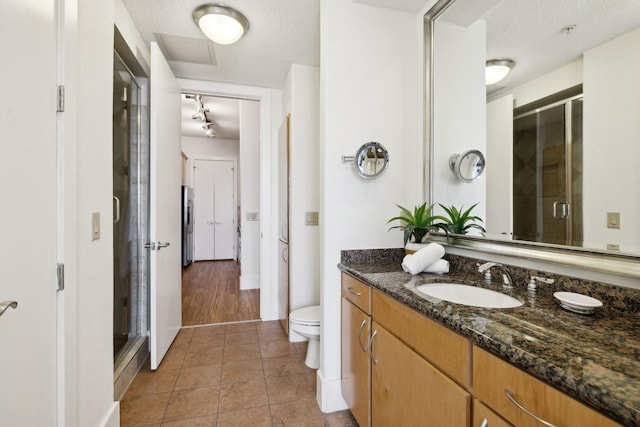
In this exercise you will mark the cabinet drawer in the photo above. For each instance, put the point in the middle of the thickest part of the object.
(438, 344)
(492, 376)
(483, 416)
(356, 292)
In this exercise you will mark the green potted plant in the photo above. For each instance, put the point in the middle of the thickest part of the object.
(459, 221)
(417, 223)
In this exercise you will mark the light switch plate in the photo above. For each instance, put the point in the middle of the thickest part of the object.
(252, 216)
(311, 218)
(613, 219)
(95, 225)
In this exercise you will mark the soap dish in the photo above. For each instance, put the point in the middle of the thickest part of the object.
(577, 303)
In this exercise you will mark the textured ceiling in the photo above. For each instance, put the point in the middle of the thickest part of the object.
(530, 32)
(283, 32)
(224, 113)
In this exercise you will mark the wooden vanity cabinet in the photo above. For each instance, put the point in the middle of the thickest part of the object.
(356, 365)
(406, 390)
(485, 417)
(492, 376)
(403, 386)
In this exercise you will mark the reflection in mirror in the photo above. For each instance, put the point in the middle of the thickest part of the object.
(561, 129)
(371, 160)
(467, 166)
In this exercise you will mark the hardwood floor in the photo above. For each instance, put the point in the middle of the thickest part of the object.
(211, 294)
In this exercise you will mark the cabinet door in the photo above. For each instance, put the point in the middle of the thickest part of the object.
(409, 391)
(493, 378)
(356, 379)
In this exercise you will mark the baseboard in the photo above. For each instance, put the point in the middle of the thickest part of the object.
(112, 419)
(329, 394)
(249, 281)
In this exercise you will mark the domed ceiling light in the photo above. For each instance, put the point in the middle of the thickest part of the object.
(496, 70)
(220, 23)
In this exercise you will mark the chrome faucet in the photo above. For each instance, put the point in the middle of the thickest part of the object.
(507, 280)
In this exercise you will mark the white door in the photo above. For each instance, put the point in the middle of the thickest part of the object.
(223, 217)
(165, 260)
(28, 218)
(214, 209)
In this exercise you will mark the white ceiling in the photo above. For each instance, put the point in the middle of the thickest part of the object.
(281, 33)
(284, 32)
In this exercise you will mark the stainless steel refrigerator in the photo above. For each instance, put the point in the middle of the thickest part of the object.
(187, 225)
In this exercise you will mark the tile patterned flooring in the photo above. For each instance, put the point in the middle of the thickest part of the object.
(240, 374)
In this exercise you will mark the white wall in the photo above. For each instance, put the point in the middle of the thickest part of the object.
(92, 358)
(612, 96)
(301, 100)
(499, 169)
(250, 197)
(459, 112)
(210, 147)
(370, 90)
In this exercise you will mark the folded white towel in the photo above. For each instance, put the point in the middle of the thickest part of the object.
(417, 262)
(440, 266)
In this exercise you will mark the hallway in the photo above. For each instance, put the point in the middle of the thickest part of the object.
(210, 294)
(241, 374)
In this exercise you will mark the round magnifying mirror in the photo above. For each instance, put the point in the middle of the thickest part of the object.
(371, 160)
(467, 166)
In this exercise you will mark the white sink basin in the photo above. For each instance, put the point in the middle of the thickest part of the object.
(468, 295)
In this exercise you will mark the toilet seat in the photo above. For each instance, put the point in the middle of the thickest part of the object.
(307, 316)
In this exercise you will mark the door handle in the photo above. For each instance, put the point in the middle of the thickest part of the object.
(209, 222)
(156, 246)
(117, 209)
(5, 305)
(217, 222)
(564, 210)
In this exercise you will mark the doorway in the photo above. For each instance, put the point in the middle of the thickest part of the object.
(223, 282)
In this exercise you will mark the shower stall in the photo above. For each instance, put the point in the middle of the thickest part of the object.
(130, 215)
(547, 171)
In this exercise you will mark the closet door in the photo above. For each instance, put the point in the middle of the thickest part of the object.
(203, 201)
(214, 219)
(224, 219)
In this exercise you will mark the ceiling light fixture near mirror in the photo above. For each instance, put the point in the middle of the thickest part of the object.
(496, 70)
(467, 166)
(220, 23)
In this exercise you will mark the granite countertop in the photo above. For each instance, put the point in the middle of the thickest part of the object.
(594, 358)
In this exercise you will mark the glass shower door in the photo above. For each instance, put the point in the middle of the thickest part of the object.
(129, 212)
(547, 168)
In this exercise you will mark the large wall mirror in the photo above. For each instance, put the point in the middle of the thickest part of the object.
(561, 133)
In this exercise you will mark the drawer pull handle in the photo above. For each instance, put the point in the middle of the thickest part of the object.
(356, 293)
(373, 359)
(362, 347)
(484, 423)
(525, 410)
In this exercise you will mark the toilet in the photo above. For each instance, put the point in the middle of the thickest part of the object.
(306, 322)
